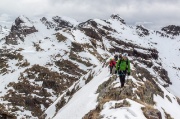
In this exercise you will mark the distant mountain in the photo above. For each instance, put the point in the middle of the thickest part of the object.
(58, 68)
(172, 29)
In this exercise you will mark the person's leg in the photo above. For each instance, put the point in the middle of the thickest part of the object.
(111, 69)
(121, 77)
(123, 80)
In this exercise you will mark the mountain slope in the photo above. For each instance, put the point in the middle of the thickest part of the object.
(47, 64)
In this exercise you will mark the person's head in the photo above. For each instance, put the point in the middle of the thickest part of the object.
(124, 56)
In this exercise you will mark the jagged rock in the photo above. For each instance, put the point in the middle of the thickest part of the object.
(151, 113)
(91, 33)
(125, 103)
(162, 34)
(163, 74)
(102, 32)
(172, 29)
(168, 98)
(18, 21)
(149, 64)
(19, 30)
(89, 22)
(89, 78)
(109, 29)
(149, 88)
(61, 23)
(60, 104)
(167, 116)
(106, 91)
(93, 114)
(93, 42)
(116, 16)
(47, 23)
(178, 100)
(142, 31)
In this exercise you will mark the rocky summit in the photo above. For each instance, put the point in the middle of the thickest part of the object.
(57, 68)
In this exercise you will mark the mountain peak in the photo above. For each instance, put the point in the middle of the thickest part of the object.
(62, 23)
(24, 21)
(172, 29)
(118, 17)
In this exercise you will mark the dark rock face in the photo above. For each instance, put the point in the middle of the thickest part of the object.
(151, 113)
(61, 23)
(6, 116)
(172, 29)
(18, 31)
(115, 16)
(91, 33)
(47, 23)
(163, 74)
(89, 22)
(76, 47)
(143, 32)
(18, 21)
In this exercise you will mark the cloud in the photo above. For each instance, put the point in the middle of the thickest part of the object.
(159, 12)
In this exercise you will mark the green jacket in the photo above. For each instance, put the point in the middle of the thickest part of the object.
(123, 66)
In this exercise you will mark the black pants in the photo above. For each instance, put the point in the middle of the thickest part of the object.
(111, 67)
(122, 76)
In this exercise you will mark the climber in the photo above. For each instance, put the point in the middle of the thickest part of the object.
(112, 64)
(116, 57)
(123, 68)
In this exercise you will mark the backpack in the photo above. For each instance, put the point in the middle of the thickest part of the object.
(126, 64)
(112, 63)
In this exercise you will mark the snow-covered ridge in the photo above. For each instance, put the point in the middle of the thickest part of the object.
(46, 67)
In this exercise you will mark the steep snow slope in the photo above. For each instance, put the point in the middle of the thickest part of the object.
(84, 100)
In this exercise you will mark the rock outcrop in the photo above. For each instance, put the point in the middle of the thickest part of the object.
(172, 30)
(19, 30)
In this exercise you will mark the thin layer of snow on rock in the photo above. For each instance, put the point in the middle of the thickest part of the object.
(133, 112)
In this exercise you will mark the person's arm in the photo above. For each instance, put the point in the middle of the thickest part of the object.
(117, 65)
(129, 67)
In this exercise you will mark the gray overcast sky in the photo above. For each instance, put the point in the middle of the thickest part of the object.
(157, 12)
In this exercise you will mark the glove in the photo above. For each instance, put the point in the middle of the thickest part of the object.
(128, 73)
